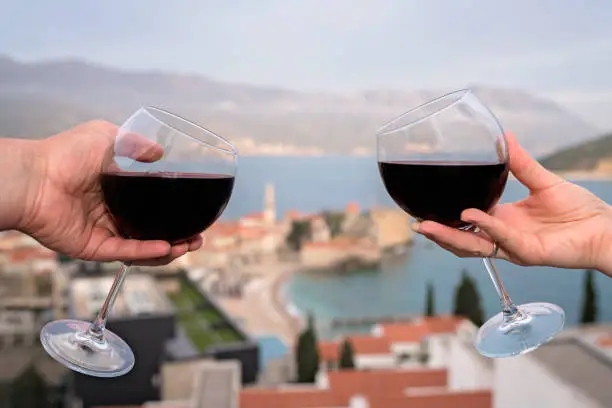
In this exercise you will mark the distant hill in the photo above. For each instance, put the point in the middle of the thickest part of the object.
(38, 99)
(587, 156)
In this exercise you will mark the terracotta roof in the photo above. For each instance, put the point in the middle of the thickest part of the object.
(443, 324)
(362, 344)
(370, 344)
(470, 399)
(328, 350)
(310, 397)
(347, 383)
(417, 331)
(404, 332)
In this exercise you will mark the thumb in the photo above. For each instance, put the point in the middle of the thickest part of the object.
(526, 169)
(508, 238)
(137, 147)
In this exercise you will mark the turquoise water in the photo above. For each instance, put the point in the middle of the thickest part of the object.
(400, 289)
(313, 184)
(270, 348)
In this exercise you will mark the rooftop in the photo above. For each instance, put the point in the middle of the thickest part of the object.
(347, 383)
(379, 388)
(362, 345)
(577, 360)
(200, 320)
(471, 399)
(417, 331)
(139, 295)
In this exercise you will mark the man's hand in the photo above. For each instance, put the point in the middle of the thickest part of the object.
(64, 209)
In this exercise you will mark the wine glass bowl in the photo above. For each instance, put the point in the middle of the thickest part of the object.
(441, 158)
(165, 178)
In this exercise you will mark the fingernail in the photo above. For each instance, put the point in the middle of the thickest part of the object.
(415, 226)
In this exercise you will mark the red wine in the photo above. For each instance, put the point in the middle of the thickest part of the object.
(440, 191)
(165, 206)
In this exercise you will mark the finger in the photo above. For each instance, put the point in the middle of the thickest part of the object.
(119, 249)
(462, 243)
(460, 254)
(179, 250)
(195, 243)
(176, 252)
(526, 169)
(508, 238)
(137, 147)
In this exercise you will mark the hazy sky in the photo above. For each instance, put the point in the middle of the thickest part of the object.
(559, 48)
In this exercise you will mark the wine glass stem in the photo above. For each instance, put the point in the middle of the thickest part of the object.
(98, 325)
(509, 310)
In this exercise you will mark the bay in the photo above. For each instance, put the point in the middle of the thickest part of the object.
(311, 184)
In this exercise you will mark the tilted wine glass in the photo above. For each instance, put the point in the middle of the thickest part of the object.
(164, 179)
(446, 156)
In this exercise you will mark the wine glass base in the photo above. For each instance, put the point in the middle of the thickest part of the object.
(65, 341)
(541, 322)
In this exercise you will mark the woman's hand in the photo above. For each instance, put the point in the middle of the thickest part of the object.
(559, 224)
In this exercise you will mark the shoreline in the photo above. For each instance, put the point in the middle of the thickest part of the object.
(283, 304)
(263, 310)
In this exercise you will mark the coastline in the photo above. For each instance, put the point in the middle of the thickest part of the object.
(283, 304)
(263, 309)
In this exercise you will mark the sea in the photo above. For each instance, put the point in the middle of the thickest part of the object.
(311, 184)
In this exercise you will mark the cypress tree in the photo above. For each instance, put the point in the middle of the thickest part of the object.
(430, 301)
(307, 354)
(589, 301)
(347, 355)
(467, 300)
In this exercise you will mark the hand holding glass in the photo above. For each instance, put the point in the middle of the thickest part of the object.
(165, 179)
(446, 156)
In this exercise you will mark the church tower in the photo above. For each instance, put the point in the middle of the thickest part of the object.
(269, 205)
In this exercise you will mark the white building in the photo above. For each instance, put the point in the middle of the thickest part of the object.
(574, 370)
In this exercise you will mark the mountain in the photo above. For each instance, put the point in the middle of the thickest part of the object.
(594, 155)
(38, 99)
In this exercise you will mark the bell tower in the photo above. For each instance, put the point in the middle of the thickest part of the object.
(269, 205)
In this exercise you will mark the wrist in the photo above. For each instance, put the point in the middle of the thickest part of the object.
(603, 249)
(21, 168)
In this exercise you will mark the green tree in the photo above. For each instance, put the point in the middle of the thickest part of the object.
(307, 353)
(334, 221)
(300, 232)
(467, 300)
(589, 301)
(430, 308)
(347, 355)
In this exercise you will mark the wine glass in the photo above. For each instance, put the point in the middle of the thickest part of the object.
(446, 156)
(166, 179)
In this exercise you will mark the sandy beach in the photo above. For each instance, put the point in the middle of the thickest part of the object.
(262, 308)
